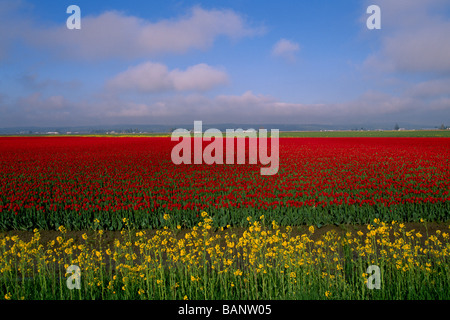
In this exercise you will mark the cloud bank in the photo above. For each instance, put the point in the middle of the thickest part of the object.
(114, 34)
(155, 77)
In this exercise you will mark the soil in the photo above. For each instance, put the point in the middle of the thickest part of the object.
(108, 237)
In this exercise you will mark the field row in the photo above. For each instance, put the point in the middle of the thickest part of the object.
(47, 182)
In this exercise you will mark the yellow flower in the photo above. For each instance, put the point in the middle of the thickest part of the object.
(327, 294)
(8, 296)
(185, 298)
(84, 236)
(62, 229)
(204, 214)
(311, 229)
(166, 216)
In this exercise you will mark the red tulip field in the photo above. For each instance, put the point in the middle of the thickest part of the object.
(46, 182)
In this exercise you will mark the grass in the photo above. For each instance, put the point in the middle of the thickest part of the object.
(260, 262)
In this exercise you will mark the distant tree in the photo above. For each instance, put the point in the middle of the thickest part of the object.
(396, 127)
(442, 127)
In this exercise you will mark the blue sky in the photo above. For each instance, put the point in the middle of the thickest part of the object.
(171, 62)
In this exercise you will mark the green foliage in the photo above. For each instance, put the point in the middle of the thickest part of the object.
(284, 216)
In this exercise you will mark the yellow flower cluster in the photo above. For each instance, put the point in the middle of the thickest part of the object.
(180, 264)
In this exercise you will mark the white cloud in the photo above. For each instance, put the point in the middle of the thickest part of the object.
(37, 110)
(200, 77)
(286, 49)
(427, 49)
(414, 38)
(430, 89)
(35, 102)
(155, 77)
(116, 35)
